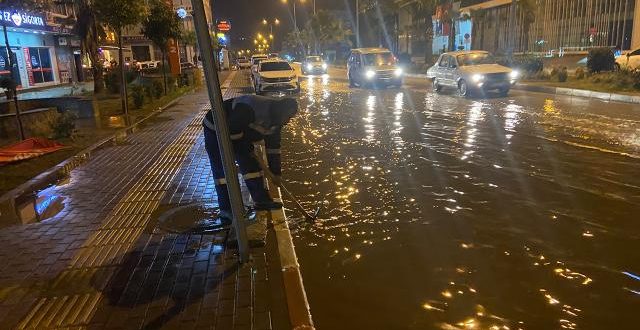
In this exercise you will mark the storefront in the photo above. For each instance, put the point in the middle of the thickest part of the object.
(43, 54)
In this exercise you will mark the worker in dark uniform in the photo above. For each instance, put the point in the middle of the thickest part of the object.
(251, 119)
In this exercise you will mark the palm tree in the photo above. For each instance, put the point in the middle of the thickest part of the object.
(188, 38)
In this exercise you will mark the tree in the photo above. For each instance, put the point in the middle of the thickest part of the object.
(161, 25)
(118, 14)
(87, 27)
(382, 13)
(424, 9)
(324, 30)
(188, 38)
(10, 83)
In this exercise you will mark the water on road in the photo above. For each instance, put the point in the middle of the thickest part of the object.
(450, 213)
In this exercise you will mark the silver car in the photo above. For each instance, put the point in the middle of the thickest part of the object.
(471, 71)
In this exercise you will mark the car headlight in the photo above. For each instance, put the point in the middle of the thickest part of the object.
(398, 72)
(309, 66)
(324, 65)
(514, 74)
(477, 78)
(370, 74)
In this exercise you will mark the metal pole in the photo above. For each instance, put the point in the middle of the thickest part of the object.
(123, 81)
(358, 23)
(295, 21)
(314, 7)
(220, 120)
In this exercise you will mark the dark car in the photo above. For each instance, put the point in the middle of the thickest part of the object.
(373, 67)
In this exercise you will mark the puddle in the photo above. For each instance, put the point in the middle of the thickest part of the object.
(42, 205)
(192, 218)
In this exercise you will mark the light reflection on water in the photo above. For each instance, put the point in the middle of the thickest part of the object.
(501, 239)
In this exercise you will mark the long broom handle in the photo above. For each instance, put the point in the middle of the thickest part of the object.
(273, 178)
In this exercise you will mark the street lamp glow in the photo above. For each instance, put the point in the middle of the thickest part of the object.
(259, 36)
(277, 21)
(255, 41)
(271, 36)
(264, 21)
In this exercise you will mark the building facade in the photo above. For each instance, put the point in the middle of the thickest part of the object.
(142, 49)
(44, 50)
(552, 26)
(549, 27)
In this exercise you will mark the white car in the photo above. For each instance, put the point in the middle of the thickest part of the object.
(630, 60)
(243, 63)
(147, 65)
(275, 76)
(471, 71)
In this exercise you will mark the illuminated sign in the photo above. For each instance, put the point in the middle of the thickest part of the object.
(19, 19)
(223, 26)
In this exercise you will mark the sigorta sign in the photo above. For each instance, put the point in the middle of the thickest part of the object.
(19, 19)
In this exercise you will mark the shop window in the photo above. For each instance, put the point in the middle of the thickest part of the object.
(41, 67)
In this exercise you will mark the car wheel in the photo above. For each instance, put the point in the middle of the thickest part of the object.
(351, 82)
(504, 92)
(436, 86)
(298, 89)
(463, 88)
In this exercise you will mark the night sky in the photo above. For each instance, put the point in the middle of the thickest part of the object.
(246, 16)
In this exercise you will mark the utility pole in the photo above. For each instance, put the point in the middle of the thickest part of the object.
(222, 130)
(358, 23)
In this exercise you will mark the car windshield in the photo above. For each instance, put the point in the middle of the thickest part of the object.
(475, 59)
(379, 59)
(314, 59)
(275, 66)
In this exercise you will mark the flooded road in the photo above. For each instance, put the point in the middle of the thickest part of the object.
(448, 213)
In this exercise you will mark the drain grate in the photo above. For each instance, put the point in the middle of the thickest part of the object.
(191, 219)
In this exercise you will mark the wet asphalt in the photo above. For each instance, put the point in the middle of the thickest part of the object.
(440, 212)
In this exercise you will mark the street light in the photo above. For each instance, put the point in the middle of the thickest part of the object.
(266, 21)
(295, 21)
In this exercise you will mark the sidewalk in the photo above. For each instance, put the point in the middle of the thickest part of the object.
(104, 263)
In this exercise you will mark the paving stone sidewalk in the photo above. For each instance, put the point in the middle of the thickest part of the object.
(102, 263)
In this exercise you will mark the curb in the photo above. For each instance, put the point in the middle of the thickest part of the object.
(603, 96)
(584, 93)
(11, 199)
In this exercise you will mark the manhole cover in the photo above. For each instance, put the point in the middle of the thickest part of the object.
(192, 218)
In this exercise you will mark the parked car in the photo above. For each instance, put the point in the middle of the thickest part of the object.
(274, 55)
(630, 60)
(313, 65)
(255, 60)
(471, 71)
(373, 67)
(148, 65)
(275, 75)
(187, 66)
(243, 63)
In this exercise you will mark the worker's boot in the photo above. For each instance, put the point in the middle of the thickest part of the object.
(224, 203)
(260, 195)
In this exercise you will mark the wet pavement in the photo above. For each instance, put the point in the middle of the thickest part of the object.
(99, 255)
(449, 213)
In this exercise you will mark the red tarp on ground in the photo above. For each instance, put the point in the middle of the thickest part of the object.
(28, 148)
